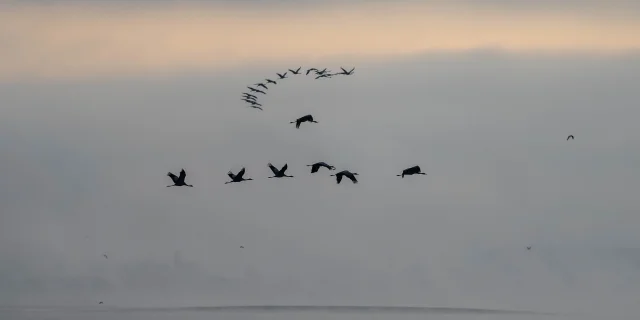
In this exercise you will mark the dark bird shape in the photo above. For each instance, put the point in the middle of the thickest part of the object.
(323, 71)
(311, 69)
(261, 85)
(279, 173)
(282, 76)
(326, 75)
(345, 72)
(317, 165)
(570, 137)
(178, 181)
(105, 256)
(241, 247)
(297, 71)
(237, 177)
(249, 96)
(528, 248)
(100, 302)
(347, 174)
(254, 106)
(411, 171)
(252, 102)
(256, 90)
(270, 81)
(307, 118)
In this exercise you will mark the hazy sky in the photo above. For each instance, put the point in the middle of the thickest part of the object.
(98, 101)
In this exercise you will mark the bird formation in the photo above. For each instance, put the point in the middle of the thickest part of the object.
(252, 99)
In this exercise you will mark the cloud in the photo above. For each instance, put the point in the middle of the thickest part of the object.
(72, 40)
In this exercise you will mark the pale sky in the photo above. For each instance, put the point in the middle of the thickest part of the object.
(98, 101)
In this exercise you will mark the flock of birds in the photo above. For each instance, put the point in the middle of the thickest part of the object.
(252, 99)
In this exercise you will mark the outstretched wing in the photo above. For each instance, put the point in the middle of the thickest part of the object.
(173, 177)
(339, 178)
(284, 168)
(273, 169)
(231, 175)
(343, 70)
(183, 175)
(240, 173)
(314, 168)
(353, 178)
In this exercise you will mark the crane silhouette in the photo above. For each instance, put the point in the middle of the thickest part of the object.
(307, 118)
(282, 76)
(178, 181)
(411, 171)
(345, 72)
(256, 90)
(237, 177)
(270, 81)
(297, 71)
(570, 137)
(346, 173)
(279, 173)
(316, 166)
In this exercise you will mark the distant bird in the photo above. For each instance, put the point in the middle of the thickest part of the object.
(178, 181)
(347, 174)
(105, 256)
(327, 75)
(411, 171)
(270, 81)
(307, 118)
(319, 72)
(279, 173)
(252, 102)
(345, 72)
(254, 106)
(241, 247)
(570, 137)
(100, 302)
(311, 69)
(237, 177)
(528, 248)
(249, 96)
(261, 85)
(317, 165)
(256, 90)
(297, 71)
(282, 76)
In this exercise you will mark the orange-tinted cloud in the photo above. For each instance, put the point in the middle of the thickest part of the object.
(75, 40)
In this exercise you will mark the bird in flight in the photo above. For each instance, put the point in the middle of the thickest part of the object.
(345, 72)
(279, 173)
(100, 302)
(282, 76)
(570, 137)
(249, 96)
(252, 102)
(347, 174)
(307, 118)
(261, 85)
(237, 177)
(241, 247)
(270, 81)
(316, 166)
(528, 248)
(311, 69)
(324, 75)
(411, 171)
(178, 181)
(297, 71)
(105, 256)
(256, 90)
(254, 106)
